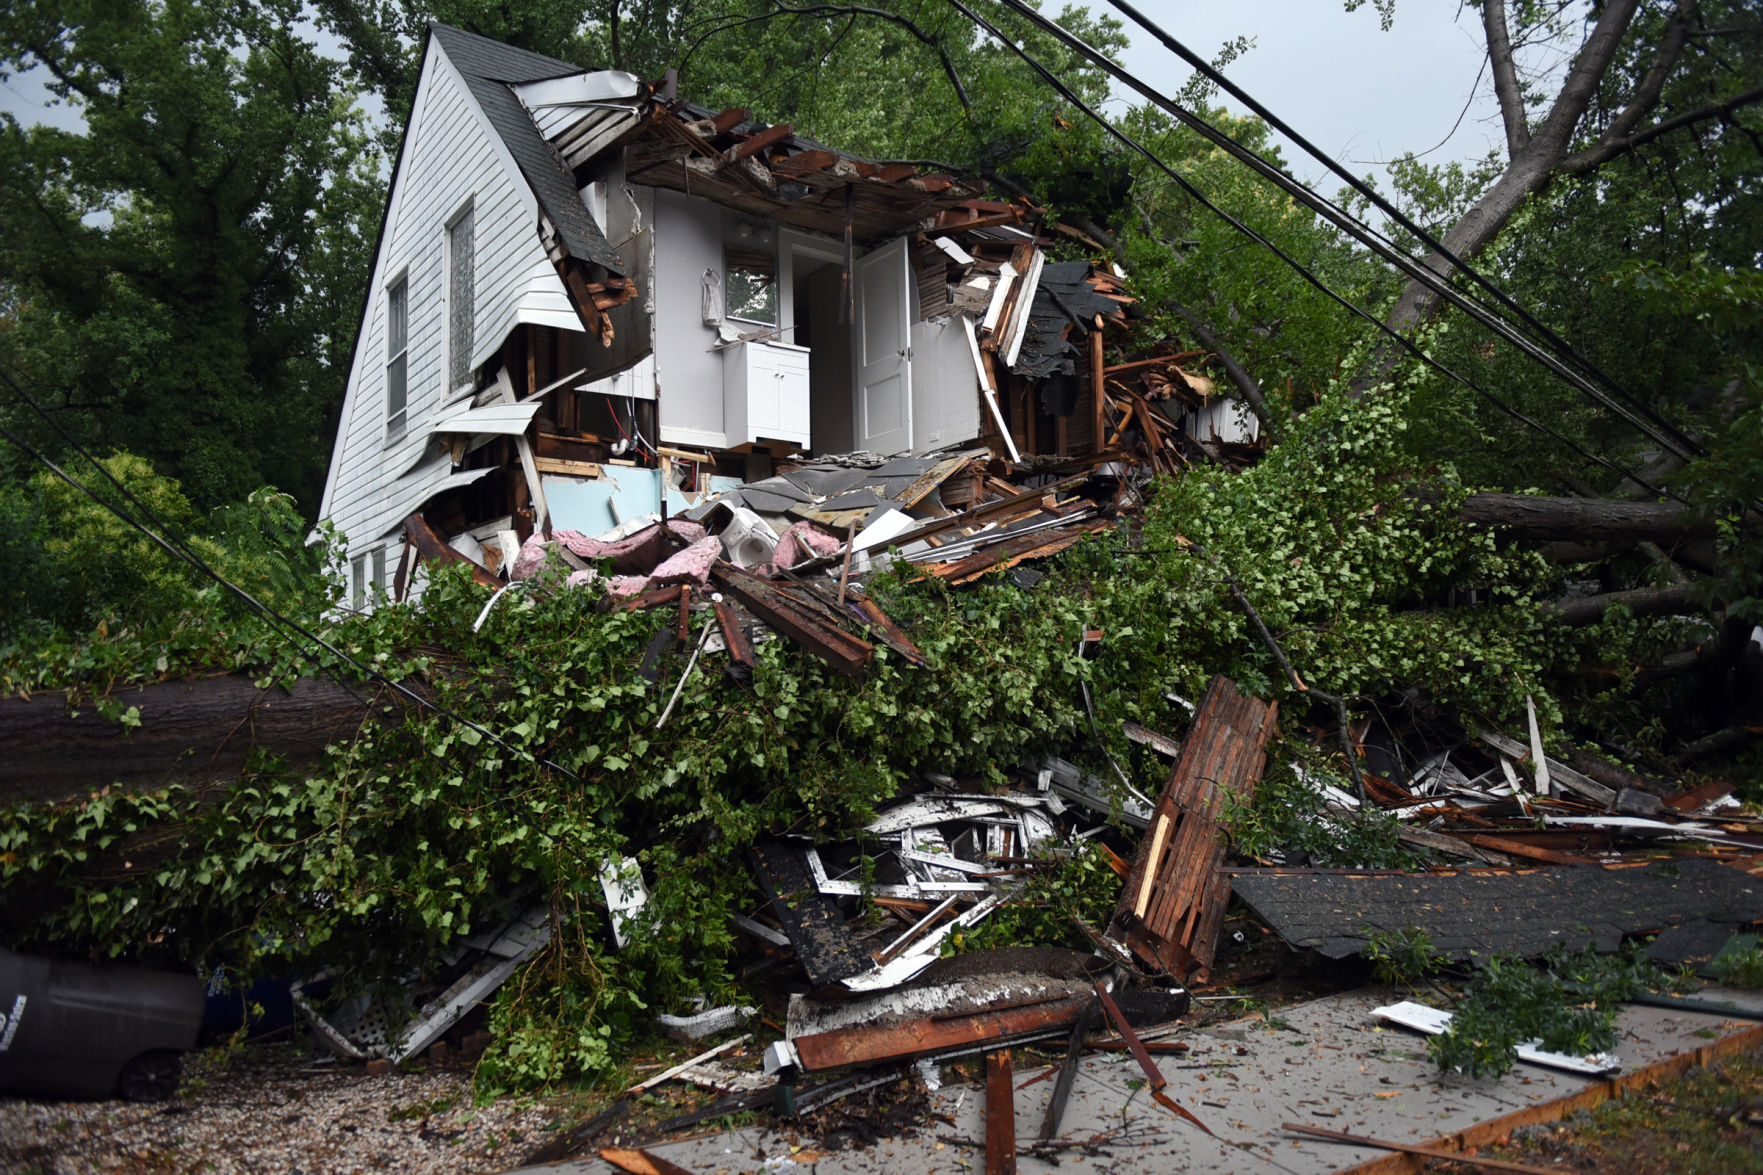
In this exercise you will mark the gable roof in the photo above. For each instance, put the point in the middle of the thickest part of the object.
(489, 68)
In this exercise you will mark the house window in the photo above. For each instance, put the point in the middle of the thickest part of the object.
(461, 272)
(358, 583)
(380, 587)
(752, 284)
(397, 356)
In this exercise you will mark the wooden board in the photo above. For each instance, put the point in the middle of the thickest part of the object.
(1173, 903)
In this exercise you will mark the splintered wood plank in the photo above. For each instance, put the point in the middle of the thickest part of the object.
(867, 1044)
(1172, 906)
(1000, 1115)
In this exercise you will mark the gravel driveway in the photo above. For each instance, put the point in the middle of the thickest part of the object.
(279, 1111)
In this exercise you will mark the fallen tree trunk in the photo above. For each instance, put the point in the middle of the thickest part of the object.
(1582, 520)
(1640, 601)
(191, 731)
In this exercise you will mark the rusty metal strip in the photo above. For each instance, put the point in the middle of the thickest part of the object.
(653, 598)
(871, 1044)
(838, 648)
(885, 627)
(1426, 1152)
(739, 650)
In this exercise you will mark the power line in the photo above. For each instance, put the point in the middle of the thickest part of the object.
(1303, 271)
(1564, 348)
(1361, 232)
(177, 548)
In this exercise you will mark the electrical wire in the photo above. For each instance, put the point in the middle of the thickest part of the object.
(1297, 266)
(1642, 419)
(1560, 345)
(179, 549)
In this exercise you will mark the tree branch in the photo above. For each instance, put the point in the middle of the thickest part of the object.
(923, 37)
(1506, 87)
(1589, 67)
(1593, 157)
(1646, 94)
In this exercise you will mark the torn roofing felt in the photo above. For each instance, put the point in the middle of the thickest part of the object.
(1483, 913)
(1069, 295)
(489, 68)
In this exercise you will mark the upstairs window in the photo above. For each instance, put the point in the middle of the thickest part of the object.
(397, 356)
(461, 274)
(751, 291)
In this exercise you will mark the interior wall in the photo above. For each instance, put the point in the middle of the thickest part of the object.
(688, 374)
(830, 361)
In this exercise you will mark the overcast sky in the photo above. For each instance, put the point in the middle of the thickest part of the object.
(1354, 90)
(1357, 92)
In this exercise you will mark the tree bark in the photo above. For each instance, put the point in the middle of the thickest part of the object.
(191, 731)
(1533, 165)
(1582, 520)
(1641, 601)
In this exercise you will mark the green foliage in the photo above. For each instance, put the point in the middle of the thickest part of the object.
(1080, 884)
(1568, 1004)
(181, 275)
(1287, 817)
(80, 569)
(1402, 956)
(1741, 968)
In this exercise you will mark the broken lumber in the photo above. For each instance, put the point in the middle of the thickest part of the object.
(804, 623)
(1173, 904)
(1000, 1114)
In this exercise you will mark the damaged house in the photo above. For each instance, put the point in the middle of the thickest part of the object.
(593, 302)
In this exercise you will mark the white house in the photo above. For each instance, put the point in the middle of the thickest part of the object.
(591, 299)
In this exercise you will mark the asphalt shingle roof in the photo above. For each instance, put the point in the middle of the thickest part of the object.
(489, 68)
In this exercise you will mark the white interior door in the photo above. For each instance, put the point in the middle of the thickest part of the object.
(884, 350)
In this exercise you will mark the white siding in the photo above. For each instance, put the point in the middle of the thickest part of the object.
(452, 155)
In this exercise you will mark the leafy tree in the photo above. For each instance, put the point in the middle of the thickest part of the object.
(180, 277)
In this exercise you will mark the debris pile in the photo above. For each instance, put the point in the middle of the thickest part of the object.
(1545, 854)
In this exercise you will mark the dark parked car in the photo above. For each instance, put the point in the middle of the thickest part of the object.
(74, 1029)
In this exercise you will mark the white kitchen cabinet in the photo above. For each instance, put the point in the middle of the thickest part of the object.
(765, 392)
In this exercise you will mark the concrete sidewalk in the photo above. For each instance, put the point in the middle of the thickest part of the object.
(1324, 1063)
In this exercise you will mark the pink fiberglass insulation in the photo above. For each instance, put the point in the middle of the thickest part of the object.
(581, 578)
(801, 541)
(635, 553)
(627, 585)
(532, 557)
(691, 565)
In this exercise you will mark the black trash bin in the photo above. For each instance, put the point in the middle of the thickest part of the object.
(72, 1029)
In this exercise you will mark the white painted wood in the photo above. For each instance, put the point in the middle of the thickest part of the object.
(688, 373)
(1022, 310)
(945, 391)
(884, 348)
(765, 392)
(985, 385)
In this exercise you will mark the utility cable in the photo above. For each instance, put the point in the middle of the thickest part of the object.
(1383, 205)
(1297, 266)
(179, 550)
(1662, 433)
